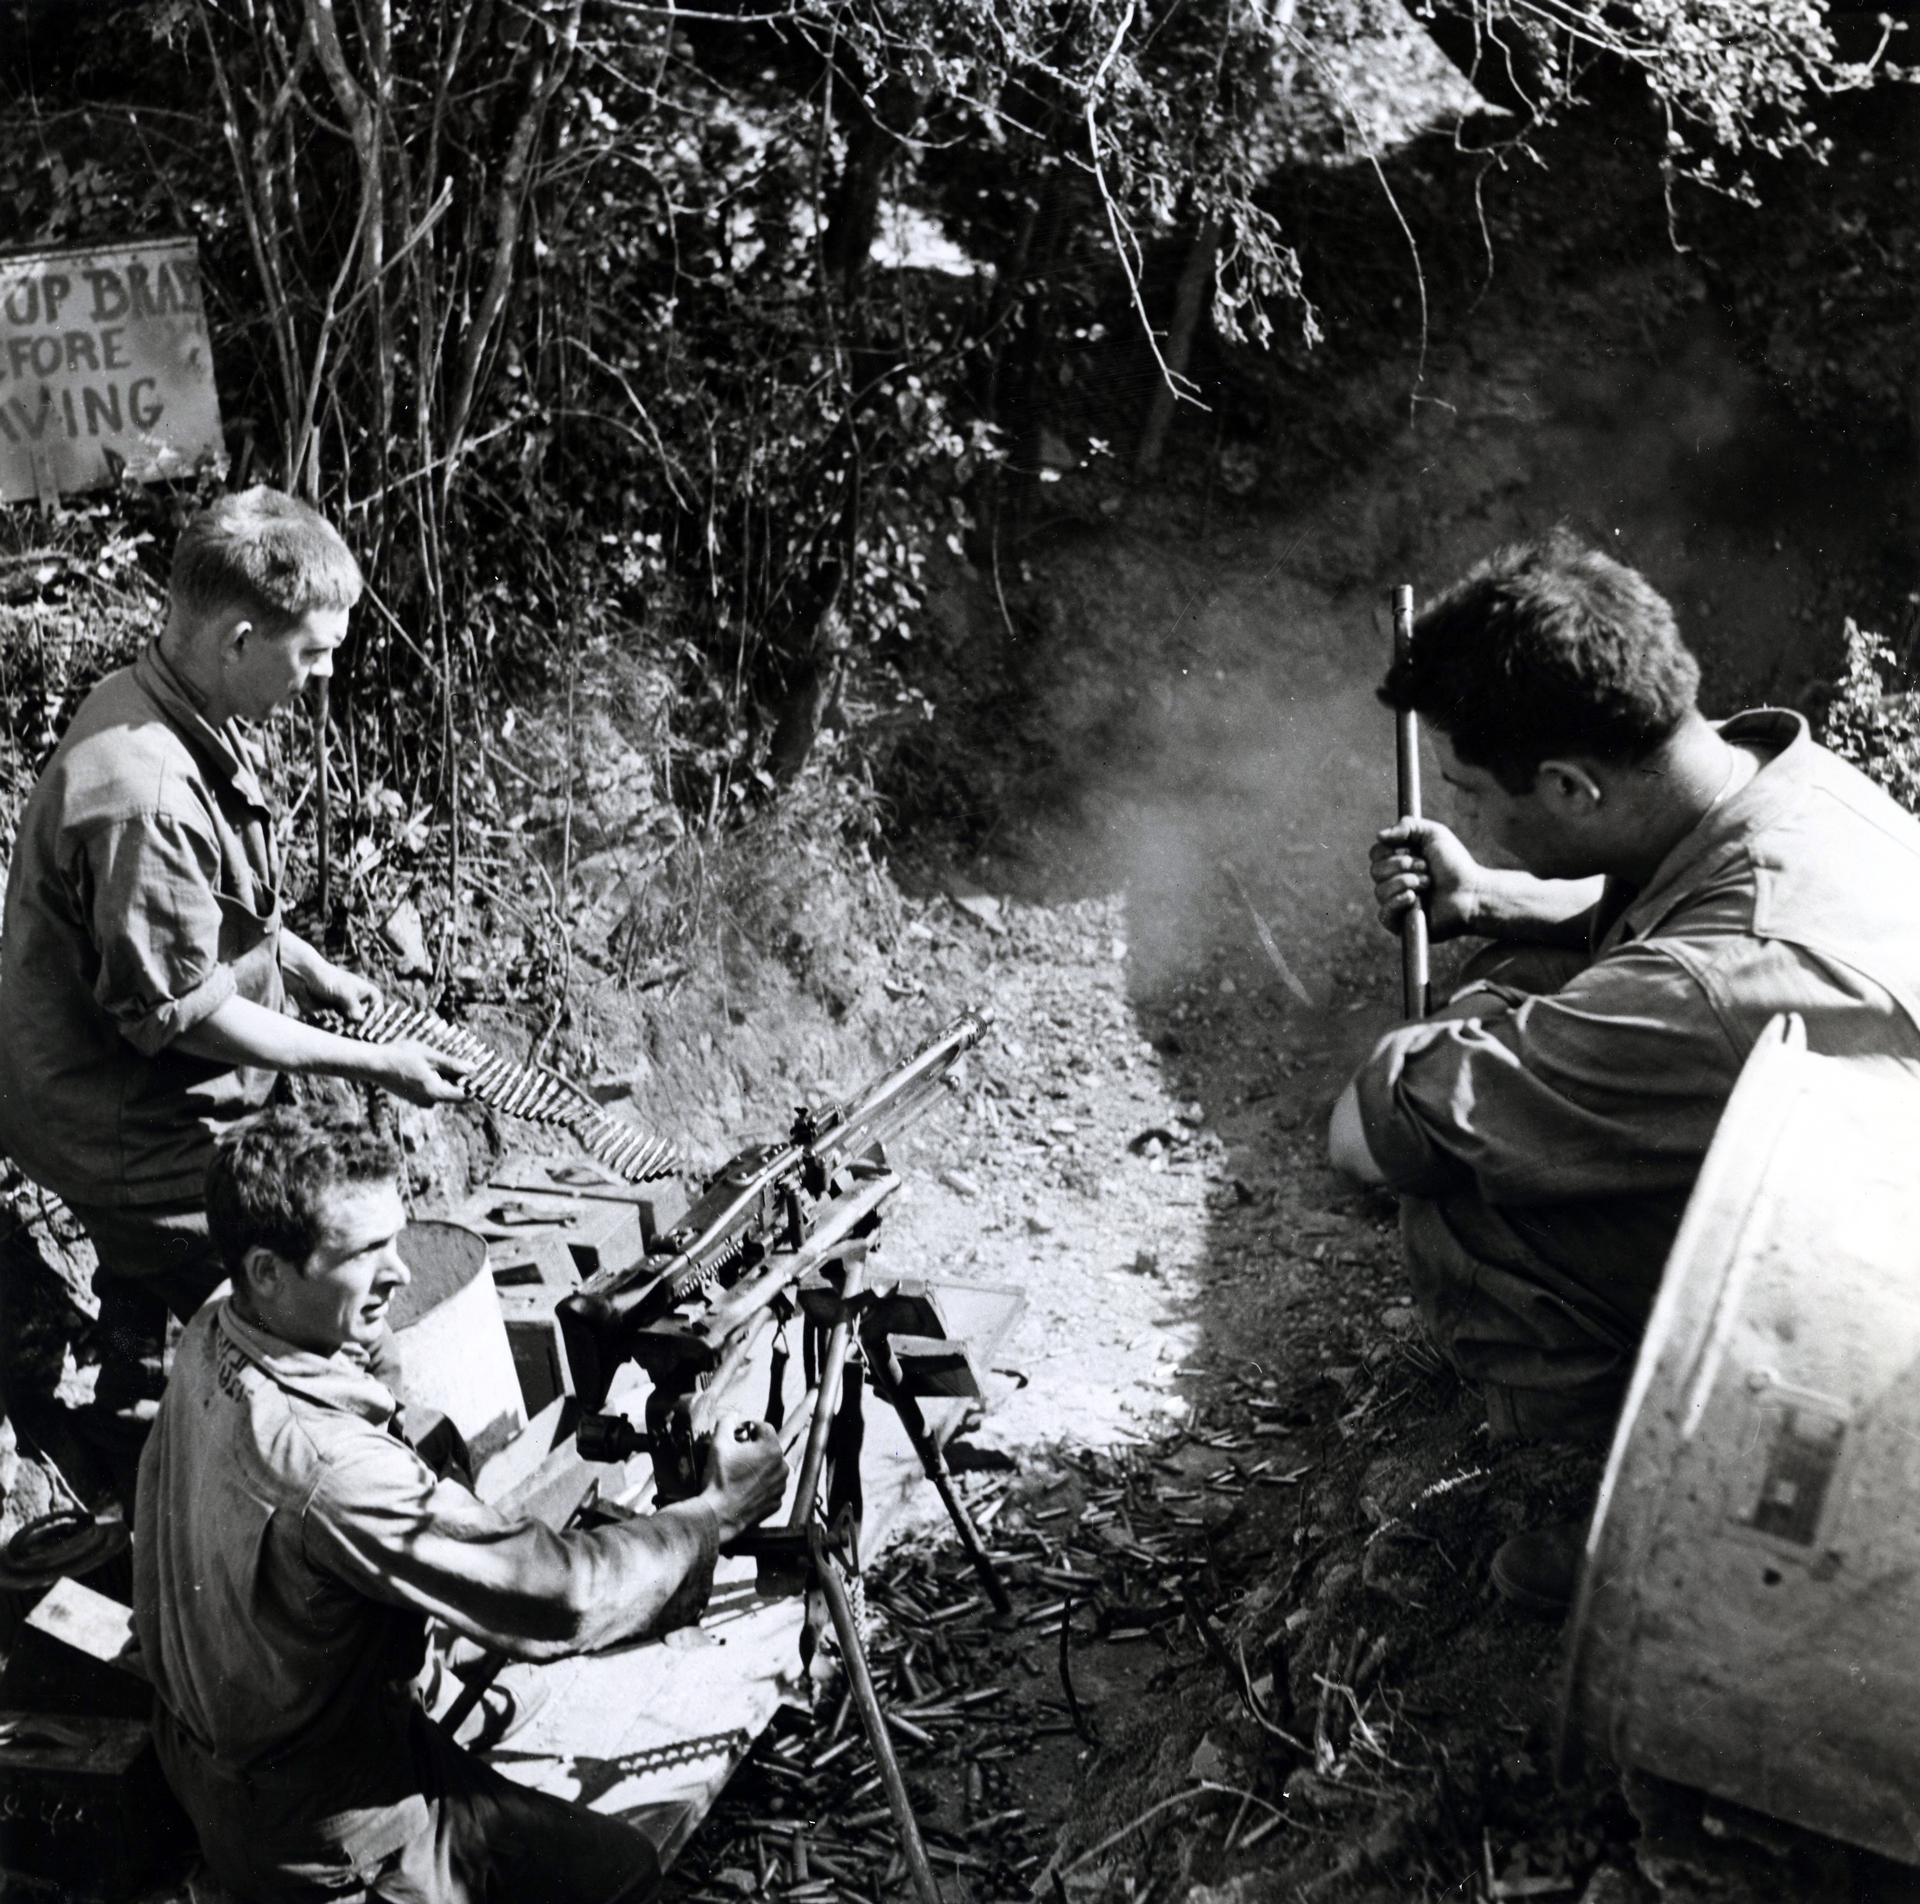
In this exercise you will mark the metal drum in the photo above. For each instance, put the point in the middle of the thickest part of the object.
(1749, 1620)
(453, 1342)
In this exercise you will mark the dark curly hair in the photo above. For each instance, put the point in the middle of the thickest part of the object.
(269, 1179)
(1547, 648)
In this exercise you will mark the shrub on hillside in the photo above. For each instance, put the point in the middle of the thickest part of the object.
(1875, 726)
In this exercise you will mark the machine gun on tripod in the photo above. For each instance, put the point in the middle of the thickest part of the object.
(784, 1232)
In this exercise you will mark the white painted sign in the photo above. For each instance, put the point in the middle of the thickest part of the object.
(104, 349)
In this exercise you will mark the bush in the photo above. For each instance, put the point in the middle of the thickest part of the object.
(1876, 726)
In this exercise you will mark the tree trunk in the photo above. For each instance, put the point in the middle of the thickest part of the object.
(1195, 275)
(853, 223)
(800, 716)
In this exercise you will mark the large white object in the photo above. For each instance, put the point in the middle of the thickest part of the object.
(1747, 1623)
(453, 1342)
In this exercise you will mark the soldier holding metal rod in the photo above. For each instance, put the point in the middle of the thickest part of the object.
(145, 966)
(1672, 885)
(290, 1547)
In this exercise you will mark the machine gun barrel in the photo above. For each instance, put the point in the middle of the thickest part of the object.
(753, 1227)
(890, 1105)
(847, 1215)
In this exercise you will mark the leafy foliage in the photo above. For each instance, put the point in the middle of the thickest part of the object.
(1875, 726)
(1734, 78)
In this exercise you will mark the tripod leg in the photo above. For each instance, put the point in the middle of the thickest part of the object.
(841, 1477)
(873, 1721)
(826, 1405)
(935, 1463)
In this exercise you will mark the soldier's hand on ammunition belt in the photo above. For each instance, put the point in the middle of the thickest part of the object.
(418, 1072)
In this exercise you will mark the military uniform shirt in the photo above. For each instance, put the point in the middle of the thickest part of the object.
(1581, 1117)
(289, 1546)
(143, 893)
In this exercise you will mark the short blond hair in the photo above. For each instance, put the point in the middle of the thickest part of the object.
(266, 552)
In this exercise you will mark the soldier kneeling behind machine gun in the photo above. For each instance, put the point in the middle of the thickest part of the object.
(291, 1546)
(291, 1543)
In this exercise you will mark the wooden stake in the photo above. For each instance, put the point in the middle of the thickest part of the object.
(323, 809)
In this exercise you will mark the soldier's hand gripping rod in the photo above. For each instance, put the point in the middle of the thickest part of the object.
(1413, 922)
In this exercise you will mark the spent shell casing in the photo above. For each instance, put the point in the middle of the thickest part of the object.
(833, 1752)
(908, 1730)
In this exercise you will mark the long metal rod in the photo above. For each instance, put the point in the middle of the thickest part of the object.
(1413, 922)
(322, 808)
(872, 1720)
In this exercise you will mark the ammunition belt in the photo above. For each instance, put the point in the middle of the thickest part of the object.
(515, 1090)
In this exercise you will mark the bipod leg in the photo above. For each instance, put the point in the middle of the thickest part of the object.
(833, 1362)
(873, 1721)
(935, 1462)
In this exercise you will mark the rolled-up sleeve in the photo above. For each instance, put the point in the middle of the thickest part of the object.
(380, 1523)
(154, 917)
(1610, 1086)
